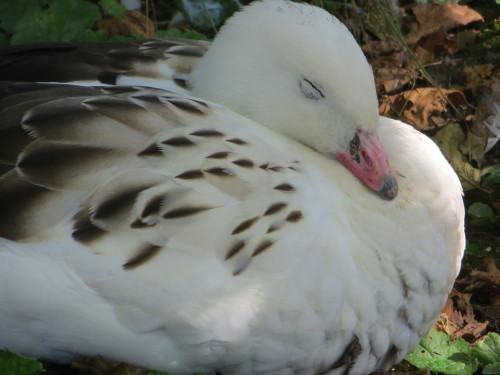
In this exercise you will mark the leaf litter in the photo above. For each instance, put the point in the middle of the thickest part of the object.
(459, 108)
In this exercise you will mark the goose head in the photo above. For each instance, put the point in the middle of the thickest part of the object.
(297, 70)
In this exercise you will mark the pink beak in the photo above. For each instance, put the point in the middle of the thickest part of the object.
(367, 160)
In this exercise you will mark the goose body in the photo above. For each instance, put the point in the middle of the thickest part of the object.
(262, 220)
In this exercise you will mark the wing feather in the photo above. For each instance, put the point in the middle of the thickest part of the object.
(168, 61)
(150, 174)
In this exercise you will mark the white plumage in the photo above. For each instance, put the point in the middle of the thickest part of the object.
(170, 232)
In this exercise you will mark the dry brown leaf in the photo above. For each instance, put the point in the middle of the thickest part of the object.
(391, 79)
(465, 39)
(489, 279)
(431, 18)
(435, 45)
(425, 108)
(479, 76)
(491, 276)
(379, 47)
(137, 22)
(485, 286)
(496, 205)
(457, 318)
(393, 60)
(110, 26)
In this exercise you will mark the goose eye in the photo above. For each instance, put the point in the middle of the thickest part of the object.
(311, 90)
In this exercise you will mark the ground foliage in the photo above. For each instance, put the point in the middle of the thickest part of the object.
(436, 67)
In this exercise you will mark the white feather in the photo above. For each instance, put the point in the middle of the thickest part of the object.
(346, 287)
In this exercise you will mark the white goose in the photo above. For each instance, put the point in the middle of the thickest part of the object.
(304, 235)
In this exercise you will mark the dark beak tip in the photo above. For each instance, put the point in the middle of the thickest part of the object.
(389, 189)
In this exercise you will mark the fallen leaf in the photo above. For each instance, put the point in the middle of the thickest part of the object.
(425, 108)
(478, 134)
(432, 17)
(435, 45)
(138, 23)
(391, 79)
(448, 139)
(110, 25)
(458, 320)
(490, 277)
(492, 122)
(393, 60)
(484, 285)
(465, 39)
(379, 47)
(479, 76)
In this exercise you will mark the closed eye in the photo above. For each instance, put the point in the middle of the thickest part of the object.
(311, 90)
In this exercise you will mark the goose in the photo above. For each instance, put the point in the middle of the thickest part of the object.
(260, 219)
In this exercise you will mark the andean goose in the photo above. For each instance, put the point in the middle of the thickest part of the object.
(286, 229)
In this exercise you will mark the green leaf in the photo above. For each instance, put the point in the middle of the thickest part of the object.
(438, 353)
(490, 175)
(481, 215)
(208, 13)
(86, 13)
(493, 369)
(12, 11)
(448, 139)
(481, 210)
(488, 351)
(154, 372)
(113, 8)
(12, 364)
(62, 21)
(4, 40)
